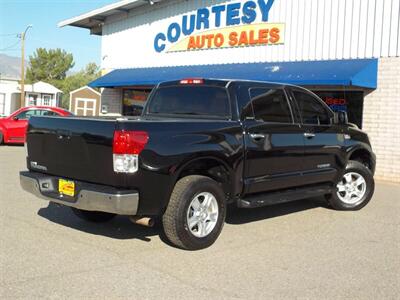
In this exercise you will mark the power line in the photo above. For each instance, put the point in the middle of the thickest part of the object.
(10, 50)
(11, 46)
(9, 34)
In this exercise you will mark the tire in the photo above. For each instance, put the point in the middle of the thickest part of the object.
(188, 193)
(93, 216)
(359, 196)
(1, 138)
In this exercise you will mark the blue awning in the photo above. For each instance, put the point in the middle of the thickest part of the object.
(354, 72)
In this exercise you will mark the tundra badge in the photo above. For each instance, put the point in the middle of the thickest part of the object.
(35, 165)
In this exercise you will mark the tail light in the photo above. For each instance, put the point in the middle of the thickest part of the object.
(127, 146)
(192, 81)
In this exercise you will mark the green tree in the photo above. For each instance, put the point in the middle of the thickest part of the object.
(92, 69)
(49, 65)
(77, 80)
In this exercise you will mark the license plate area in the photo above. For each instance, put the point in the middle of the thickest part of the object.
(66, 187)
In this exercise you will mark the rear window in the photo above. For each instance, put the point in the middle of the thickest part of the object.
(209, 101)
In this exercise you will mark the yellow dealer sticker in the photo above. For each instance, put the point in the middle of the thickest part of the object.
(66, 187)
(231, 37)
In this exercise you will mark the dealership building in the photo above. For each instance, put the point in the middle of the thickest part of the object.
(346, 51)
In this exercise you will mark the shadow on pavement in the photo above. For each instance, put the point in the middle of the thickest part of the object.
(236, 216)
(118, 228)
(121, 228)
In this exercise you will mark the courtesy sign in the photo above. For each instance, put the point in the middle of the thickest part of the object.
(237, 24)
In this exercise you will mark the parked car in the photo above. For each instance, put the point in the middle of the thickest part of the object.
(13, 127)
(198, 146)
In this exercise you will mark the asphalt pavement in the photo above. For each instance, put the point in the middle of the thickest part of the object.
(294, 250)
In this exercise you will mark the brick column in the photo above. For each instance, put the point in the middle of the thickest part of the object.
(381, 119)
(113, 99)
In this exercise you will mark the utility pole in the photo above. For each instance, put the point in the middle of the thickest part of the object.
(23, 65)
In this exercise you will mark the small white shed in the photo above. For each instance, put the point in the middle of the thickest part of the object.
(42, 93)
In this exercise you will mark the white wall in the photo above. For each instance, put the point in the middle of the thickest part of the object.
(10, 89)
(8, 105)
(315, 30)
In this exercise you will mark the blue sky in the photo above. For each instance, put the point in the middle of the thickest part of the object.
(44, 15)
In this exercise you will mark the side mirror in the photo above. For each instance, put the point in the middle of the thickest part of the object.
(16, 118)
(341, 118)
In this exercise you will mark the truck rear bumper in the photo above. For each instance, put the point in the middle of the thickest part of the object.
(88, 196)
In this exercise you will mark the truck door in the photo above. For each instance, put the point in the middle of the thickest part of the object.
(273, 139)
(323, 140)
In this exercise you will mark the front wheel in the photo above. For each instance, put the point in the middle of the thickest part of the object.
(93, 216)
(195, 214)
(355, 189)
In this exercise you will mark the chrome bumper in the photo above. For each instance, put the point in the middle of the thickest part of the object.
(112, 201)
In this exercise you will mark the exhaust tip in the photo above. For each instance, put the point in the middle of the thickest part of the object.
(144, 221)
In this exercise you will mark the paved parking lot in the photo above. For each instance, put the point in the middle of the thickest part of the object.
(300, 249)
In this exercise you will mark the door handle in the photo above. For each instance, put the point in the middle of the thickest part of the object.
(309, 135)
(257, 136)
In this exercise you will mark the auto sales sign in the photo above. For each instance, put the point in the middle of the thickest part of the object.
(222, 26)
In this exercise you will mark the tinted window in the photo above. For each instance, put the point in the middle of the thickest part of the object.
(313, 112)
(27, 114)
(190, 100)
(269, 105)
(48, 113)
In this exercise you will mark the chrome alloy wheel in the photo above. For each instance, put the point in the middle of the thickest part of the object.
(202, 214)
(351, 188)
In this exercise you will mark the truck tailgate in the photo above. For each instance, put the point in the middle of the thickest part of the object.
(75, 148)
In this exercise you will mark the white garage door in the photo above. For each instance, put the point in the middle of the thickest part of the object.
(85, 107)
(2, 104)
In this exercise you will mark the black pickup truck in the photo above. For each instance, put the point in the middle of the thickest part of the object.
(199, 146)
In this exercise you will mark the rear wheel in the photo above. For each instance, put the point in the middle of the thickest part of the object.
(195, 214)
(355, 189)
(93, 216)
(1, 138)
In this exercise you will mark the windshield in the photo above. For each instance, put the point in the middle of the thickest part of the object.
(209, 101)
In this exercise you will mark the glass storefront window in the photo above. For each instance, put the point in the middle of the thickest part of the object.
(133, 101)
(348, 101)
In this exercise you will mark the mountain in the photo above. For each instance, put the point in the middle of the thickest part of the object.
(10, 66)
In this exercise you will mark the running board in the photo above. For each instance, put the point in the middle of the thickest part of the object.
(283, 196)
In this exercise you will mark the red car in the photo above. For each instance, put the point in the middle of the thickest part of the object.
(13, 127)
